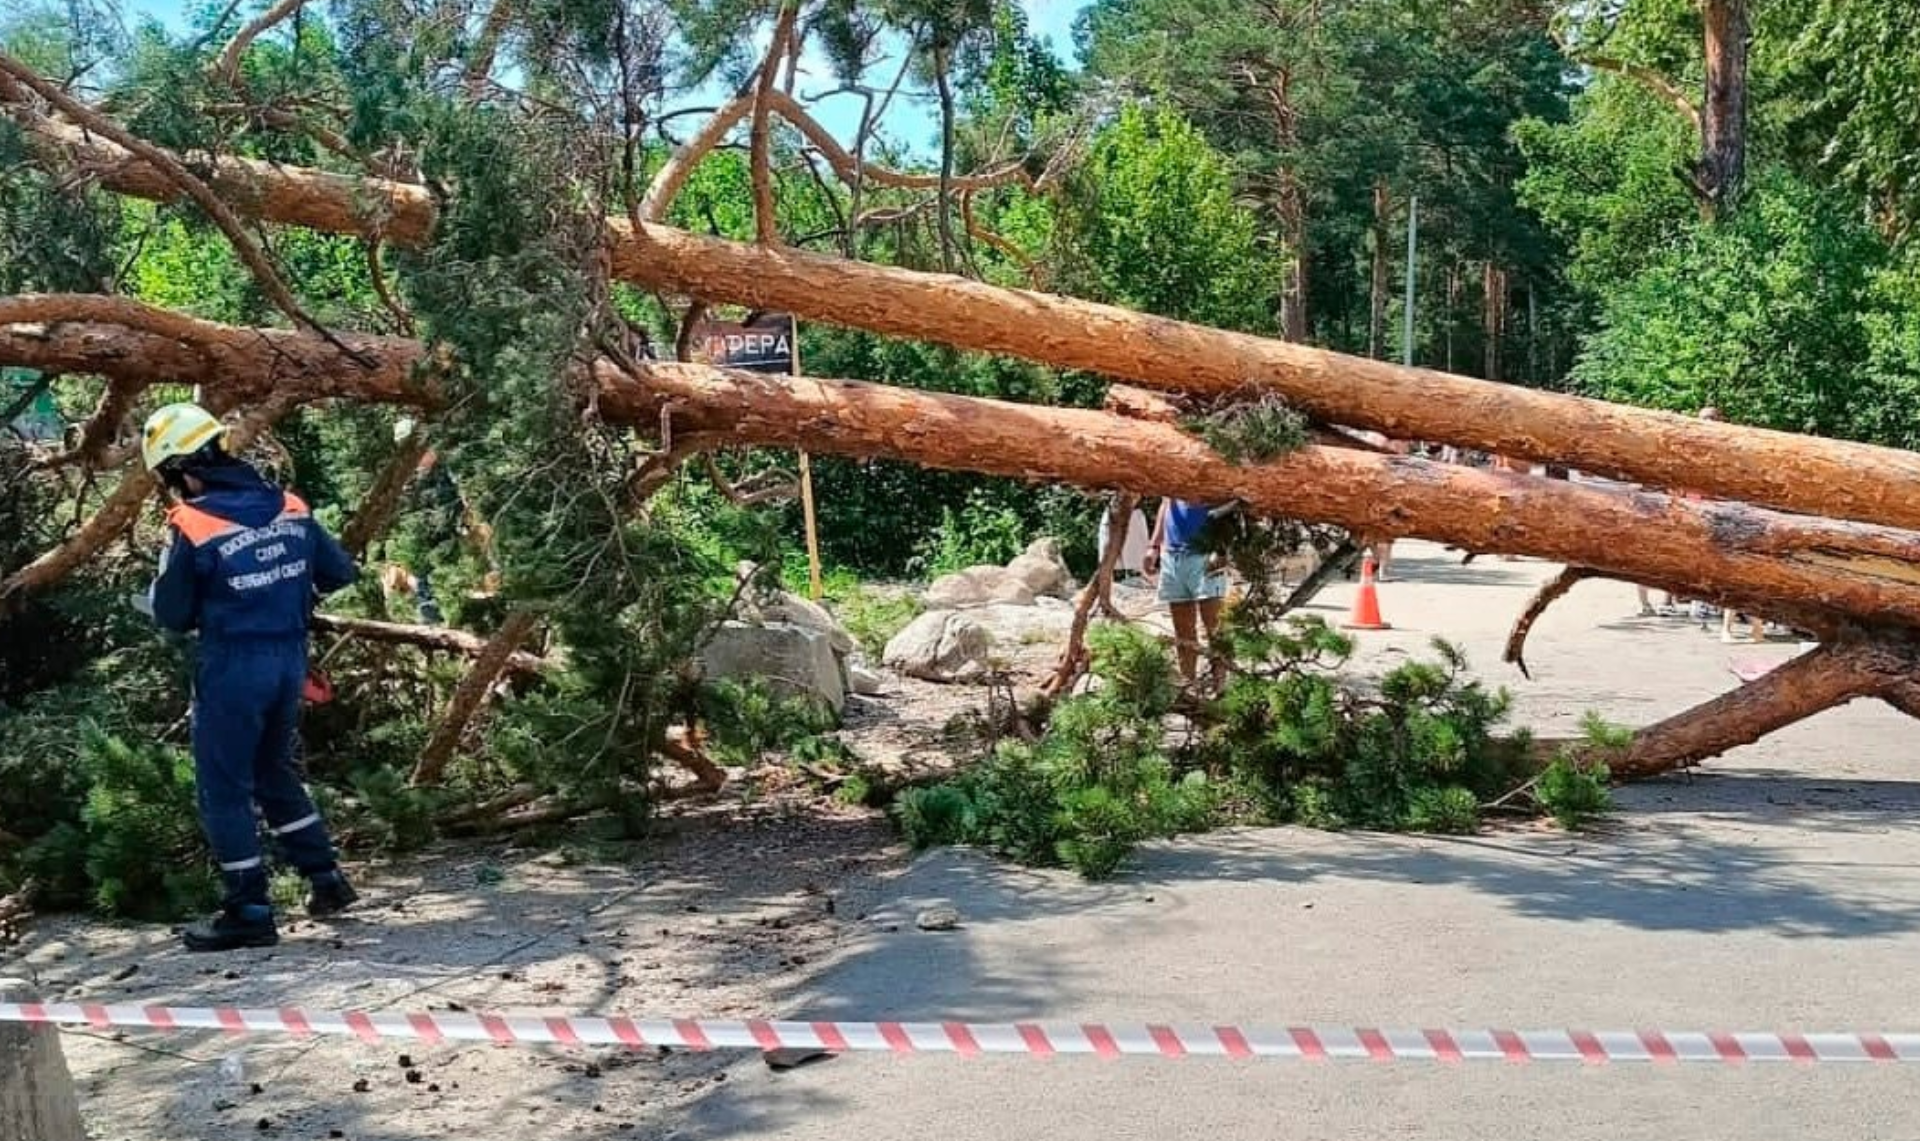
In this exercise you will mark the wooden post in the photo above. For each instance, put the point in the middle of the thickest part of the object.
(37, 1101)
(806, 490)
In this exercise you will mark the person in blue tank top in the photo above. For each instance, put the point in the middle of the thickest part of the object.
(244, 564)
(1193, 591)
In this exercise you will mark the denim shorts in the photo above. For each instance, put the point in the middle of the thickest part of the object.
(1184, 578)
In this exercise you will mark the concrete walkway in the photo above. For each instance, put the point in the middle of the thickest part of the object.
(1777, 889)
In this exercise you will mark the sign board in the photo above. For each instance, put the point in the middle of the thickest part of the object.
(764, 342)
(38, 419)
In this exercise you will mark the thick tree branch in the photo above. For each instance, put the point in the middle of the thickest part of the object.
(1073, 656)
(1818, 680)
(1652, 80)
(766, 222)
(237, 48)
(439, 639)
(471, 695)
(849, 168)
(1550, 592)
(162, 160)
(381, 505)
(671, 177)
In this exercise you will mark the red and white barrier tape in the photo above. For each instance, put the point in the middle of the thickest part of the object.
(970, 1039)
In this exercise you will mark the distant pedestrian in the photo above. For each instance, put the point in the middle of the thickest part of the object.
(1194, 590)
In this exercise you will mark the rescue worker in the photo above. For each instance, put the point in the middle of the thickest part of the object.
(244, 565)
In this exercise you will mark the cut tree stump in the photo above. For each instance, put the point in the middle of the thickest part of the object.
(37, 1098)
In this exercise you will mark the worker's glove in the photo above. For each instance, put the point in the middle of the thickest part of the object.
(141, 602)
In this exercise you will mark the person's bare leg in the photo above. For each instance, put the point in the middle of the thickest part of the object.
(1210, 611)
(1382, 560)
(1186, 646)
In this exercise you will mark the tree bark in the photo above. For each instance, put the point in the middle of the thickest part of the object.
(1774, 469)
(1073, 656)
(1382, 237)
(437, 638)
(382, 501)
(1548, 594)
(471, 695)
(1494, 324)
(1723, 128)
(1757, 560)
(1816, 681)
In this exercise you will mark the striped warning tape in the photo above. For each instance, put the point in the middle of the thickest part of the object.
(1029, 1038)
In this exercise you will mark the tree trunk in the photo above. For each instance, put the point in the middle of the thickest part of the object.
(1494, 294)
(943, 210)
(1723, 125)
(1774, 469)
(1729, 553)
(1382, 237)
(470, 696)
(1291, 206)
(1817, 680)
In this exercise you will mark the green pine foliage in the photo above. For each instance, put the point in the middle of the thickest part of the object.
(136, 849)
(1288, 740)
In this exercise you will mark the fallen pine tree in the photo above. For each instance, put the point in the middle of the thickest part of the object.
(1805, 474)
(1853, 583)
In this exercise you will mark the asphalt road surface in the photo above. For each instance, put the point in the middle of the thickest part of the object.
(1778, 889)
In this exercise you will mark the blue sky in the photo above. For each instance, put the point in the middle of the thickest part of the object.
(910, 124)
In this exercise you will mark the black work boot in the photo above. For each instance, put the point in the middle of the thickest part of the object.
(247, 925)
(330, 894)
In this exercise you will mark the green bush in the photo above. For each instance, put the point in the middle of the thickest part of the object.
(873, 618)
(1448, 810)
(1286, 740)
(137, 848)
(748, 719)
(983, 531)
(1096, 784)
(1574, 794)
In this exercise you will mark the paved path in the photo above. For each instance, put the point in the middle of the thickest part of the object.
(1778, 889)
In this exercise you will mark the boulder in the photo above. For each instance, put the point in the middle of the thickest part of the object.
(978, 586)
(789, 609)
(1015, 626)
(792, 610)
(863, 681)
(1043, 569)
(794, 661)
(940, 645)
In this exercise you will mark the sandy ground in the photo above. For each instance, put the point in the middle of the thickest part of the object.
(1778, 888)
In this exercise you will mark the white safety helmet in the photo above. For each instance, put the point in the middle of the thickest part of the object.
(178, 430)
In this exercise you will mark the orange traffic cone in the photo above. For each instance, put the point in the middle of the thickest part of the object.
(1366, 605)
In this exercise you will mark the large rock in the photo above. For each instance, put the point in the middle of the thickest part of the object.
(789, 609)
(794, 661)
(1015, 626)
(978, 586)
(1043, 569)
(940, 645)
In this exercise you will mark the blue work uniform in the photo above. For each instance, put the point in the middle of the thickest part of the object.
(244, 566)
